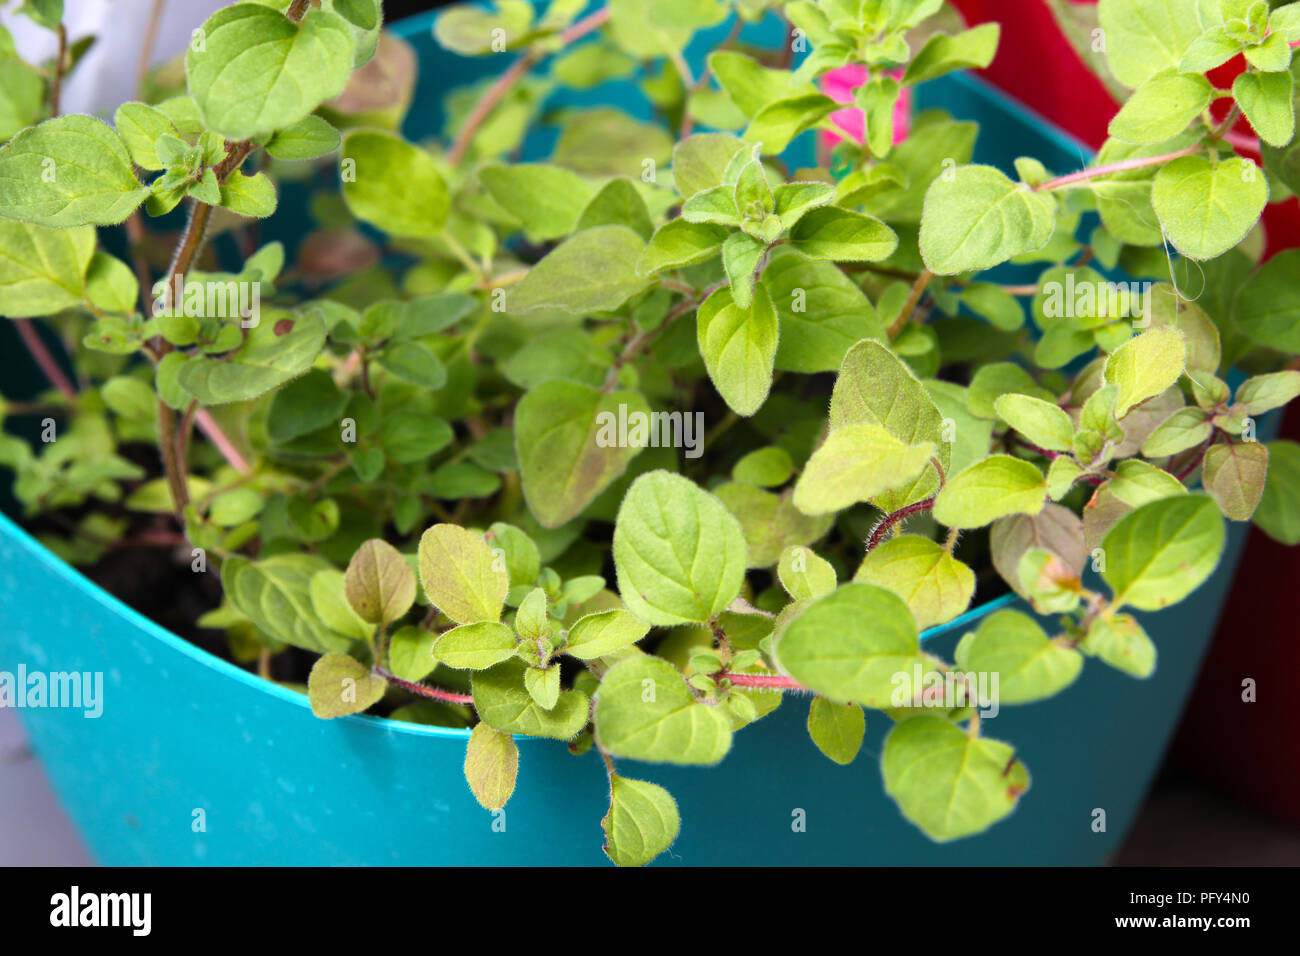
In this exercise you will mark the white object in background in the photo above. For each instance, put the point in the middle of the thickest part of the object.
(106, 76)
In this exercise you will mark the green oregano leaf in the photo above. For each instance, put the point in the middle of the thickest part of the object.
(646, 711)
(642, 821)
(837, 729)
(679, 553)
(255, 71)
(68, 171)
(340, 685)
(461, 576)
(380, 583)
(491, 766)
(947, 782)
(1159, 553)
(392, 184)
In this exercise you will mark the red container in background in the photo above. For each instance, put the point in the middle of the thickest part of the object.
(1248, 750)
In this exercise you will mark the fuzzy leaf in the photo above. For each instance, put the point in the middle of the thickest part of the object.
(1159, 553)
(679, 553)
(1206, 208)
(947, 782)
(257, 71)
(936, 586)
(849, 644)
(491, 766)
(994, 488)
(857, 463)
(837, 729)
(460, 574)
(642, 821)
(340, 685)
(977, 218)
(380, 583)
(738, 345)
(374, 163)
(645, 710)
(68, 171)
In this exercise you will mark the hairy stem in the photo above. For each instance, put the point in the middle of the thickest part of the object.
(762, 681)
(913, 297)
(423, 690)
(507, 80)
(894, 518)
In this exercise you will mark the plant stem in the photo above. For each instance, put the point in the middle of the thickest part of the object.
(423, 690)
(1084, 175)
(913, 297)
(894, 518)
(762, 681)
(56, 84)
(507, 80)
(42, 357)
(146, 47)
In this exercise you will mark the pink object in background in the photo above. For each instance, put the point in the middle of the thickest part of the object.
(840, 85)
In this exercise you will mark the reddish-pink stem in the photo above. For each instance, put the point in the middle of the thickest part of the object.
(208, 425)
(41, 355)
(506, 81)
(767, 681)
(893, 518)
(424, 690)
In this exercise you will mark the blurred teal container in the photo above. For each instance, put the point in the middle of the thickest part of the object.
(182, 731)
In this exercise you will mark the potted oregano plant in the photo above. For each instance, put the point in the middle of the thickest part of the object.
(704, 415)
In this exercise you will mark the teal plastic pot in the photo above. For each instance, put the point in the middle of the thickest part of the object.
(182, 732)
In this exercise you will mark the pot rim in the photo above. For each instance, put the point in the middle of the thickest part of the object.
(72, 577)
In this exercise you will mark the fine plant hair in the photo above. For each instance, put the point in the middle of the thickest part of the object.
(391, 463)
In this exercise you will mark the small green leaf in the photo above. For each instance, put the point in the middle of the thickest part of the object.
(642, 821)
(1145, 366)
(767, 467)
(850, 644)
(1184, 429)
(936, 586)
(804, 574)
(976, 218)
(252, 196)
(1118, 639)
(567, 437)
(605, 632)
(546, 199)
(700, 161)
(679, 553)
(309, 138)
(645, 710)
(1028, 665)
(1234, 475)
(1161, 108)
(947, 782)
(1043, 423)
(990, 489)
(841, 235)
(68, 171)
(971, 49)
(1206, 208)
(1266, 99)
(503, 704)
(677, 244)
(279, 348)
(461, 576)
(1278, 514)
(340, 685)
(43, 270)
(543, 685)
(1159, 553)
(491, 766)
(257, 71)
(858, 463)
(380, 583)
(1260, 393)
(738, 345)
(594, 271)
(837, 729)
(373, 164)
(140, 127)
